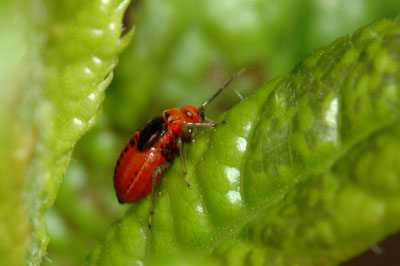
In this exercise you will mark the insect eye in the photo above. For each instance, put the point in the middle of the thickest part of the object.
(189, 114)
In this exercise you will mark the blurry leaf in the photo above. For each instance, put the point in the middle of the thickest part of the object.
(306, 170)
(180, 56)
(19, 49)
(56, 64)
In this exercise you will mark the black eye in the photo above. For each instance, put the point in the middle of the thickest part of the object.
(189, 114)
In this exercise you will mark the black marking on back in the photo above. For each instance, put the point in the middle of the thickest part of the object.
(132, 142)
(151, 133)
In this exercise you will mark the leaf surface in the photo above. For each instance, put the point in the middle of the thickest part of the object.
(304, 171)
(75, 49)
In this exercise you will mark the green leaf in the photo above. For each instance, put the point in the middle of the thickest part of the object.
(184, 56)
(56, 64)
(305, 171)
(18, 48)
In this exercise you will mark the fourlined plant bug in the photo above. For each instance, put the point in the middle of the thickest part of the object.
(149, 153)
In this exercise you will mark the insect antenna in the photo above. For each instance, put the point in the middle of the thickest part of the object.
(202, 107)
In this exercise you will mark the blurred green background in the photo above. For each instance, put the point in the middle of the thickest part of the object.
(181, 53)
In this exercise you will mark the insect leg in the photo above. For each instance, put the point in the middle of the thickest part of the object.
(201, 124)
(186, 135)
(159, 170)
(208, 120)
(179, 144)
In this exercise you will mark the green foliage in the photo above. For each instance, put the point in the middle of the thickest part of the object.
(59, 69)
(16, 143)
(305, 171)
(180, 56)
(57, 58)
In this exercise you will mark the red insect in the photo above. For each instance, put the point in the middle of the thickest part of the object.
(151, 150)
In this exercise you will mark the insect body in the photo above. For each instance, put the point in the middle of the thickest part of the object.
(150, 151)
(152, 148)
